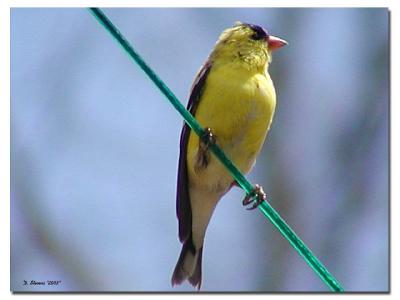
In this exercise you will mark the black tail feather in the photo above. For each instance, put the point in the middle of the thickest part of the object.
(195, 279)
(180, 274)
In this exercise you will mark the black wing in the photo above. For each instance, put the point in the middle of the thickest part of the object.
(183, 209)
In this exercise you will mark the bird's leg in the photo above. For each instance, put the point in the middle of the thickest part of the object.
(257, 192)
(203, 153)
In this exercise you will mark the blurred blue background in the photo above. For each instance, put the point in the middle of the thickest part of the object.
(94, 150)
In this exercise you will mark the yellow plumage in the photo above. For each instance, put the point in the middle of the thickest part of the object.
(238, 104)
(234, 96)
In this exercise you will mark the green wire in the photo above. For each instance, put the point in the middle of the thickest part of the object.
(265, 207)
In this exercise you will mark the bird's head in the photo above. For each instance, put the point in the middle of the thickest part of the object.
(248, 43)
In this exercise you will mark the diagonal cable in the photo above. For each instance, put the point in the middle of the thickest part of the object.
(265, 207)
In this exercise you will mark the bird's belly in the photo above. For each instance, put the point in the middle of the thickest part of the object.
(239, 116)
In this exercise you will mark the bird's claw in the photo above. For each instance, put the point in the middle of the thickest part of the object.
(208, 138)
(258, 193)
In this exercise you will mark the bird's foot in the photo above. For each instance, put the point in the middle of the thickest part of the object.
(207, 138)
(258, 193)
(203, 154)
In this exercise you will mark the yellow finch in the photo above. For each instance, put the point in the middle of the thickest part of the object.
(233, 97)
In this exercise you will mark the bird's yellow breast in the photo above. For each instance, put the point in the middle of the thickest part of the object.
(238, 106)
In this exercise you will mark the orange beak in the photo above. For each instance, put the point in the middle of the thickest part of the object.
(275, 43)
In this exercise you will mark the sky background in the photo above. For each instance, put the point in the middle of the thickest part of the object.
(94, 151)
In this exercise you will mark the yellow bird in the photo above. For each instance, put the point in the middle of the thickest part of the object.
(233, 98)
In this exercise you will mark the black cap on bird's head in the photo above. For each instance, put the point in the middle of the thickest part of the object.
(259, 33)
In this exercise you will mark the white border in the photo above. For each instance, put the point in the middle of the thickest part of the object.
(5, 150)
(202, 3)
(5, 120)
